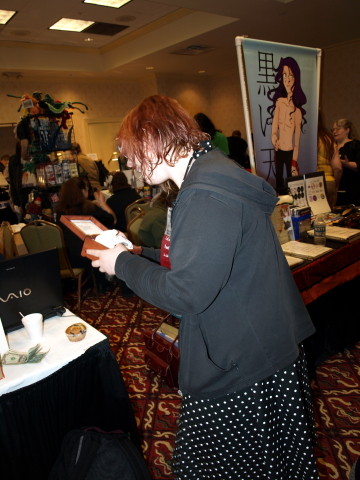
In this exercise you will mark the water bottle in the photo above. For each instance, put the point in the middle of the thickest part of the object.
(319, 230)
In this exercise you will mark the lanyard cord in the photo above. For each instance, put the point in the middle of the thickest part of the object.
(188, 166)
(206, 147)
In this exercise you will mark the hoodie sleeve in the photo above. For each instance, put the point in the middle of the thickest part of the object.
(205, 233)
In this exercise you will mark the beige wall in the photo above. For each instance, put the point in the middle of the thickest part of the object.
(340, 95)
(218, 97)
(104, 98)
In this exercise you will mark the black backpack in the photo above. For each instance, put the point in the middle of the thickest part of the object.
(92, 454)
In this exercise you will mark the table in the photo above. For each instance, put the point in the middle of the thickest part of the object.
(328, 272)
(330, 288)
(77, 384)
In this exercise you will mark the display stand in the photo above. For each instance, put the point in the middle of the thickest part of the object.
(49, 138)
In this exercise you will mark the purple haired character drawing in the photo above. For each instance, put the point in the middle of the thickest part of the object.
(288, 119)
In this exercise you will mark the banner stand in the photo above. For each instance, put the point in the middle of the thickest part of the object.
(251, 134)
(245, 101)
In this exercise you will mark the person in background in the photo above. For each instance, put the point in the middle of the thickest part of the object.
(123, 195)
(218, 139)
(327, 162)
(88, 166)
(238, 149)
(348, 152)
(19, 194)
(4, 163)
(246, 404)
(6, 212)
(6, 207)
(73, 200)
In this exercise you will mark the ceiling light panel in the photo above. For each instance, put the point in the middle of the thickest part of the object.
(108, 3)
(5, 16)
(71, 25)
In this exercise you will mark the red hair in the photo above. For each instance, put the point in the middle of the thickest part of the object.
(158, 126)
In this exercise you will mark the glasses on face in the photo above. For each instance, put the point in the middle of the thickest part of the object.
(336, 129)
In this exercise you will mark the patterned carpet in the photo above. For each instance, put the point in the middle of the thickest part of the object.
(335, 387)
(336, 394)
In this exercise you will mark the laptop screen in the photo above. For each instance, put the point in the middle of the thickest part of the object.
(29, 284)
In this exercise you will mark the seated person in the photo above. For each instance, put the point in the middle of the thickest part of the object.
(6, 212)
(123, 195)
(6, 208)
(35, 211)
(74, 201)
(153, 225)
(19, 193)
(4, 163)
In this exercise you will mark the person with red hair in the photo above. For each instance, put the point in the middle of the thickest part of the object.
(246, 410)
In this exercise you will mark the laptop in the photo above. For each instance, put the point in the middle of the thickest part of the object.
(30, 284)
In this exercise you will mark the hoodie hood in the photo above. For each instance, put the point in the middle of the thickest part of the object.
(211, 172)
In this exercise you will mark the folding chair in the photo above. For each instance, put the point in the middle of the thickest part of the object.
(40, 235)
(8, 247)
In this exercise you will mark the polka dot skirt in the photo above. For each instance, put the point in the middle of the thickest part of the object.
(263, 432)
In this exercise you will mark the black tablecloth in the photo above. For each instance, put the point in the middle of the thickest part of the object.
(330, 286)
(89, 391)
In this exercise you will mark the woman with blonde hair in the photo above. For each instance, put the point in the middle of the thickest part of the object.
(328, 162)
(347, 152)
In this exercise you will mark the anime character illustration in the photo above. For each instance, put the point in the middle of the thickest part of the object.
(288, 119)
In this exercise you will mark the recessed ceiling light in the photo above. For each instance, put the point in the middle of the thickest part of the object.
(201, 71)
(88, 39)
(71, 25)
(150, 68)
(108, 3)
(5, 16)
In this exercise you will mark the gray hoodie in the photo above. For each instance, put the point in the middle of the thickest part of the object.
(242, 314)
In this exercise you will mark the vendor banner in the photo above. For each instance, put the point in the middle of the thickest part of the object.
(280, 89)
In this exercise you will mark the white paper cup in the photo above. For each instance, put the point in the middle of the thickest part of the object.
(33, 324)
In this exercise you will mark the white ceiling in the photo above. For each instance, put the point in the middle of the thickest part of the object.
(158, 28)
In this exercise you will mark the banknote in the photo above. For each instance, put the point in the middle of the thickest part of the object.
(33, 355)
(13, 358)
